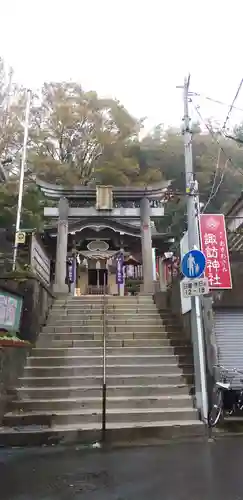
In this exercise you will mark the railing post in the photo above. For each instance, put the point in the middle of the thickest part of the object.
(104, 368)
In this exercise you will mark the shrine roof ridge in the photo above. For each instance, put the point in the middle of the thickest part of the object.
(56, 191)
(82, 223)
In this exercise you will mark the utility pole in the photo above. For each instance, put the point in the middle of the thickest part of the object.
(21, 178)
(193, 208)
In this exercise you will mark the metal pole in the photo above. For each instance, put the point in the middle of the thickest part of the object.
(21, 179)
(122, 285)
(104, 367)
(193, 241)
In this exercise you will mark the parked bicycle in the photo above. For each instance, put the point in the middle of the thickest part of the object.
(226, 400)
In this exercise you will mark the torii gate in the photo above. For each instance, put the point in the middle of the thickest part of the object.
(104, 200)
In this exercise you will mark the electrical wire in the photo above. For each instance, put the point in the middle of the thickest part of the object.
(211, 195)
(221, 149)
(231, 106)
(215, 138)
(218, 186)
(212, 192)
(196, 94)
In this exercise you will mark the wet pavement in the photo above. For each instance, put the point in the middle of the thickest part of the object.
(192, 471)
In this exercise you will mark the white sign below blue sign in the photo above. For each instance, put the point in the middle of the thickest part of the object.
(193, 264)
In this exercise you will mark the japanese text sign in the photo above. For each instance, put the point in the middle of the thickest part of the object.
(215, 248)
(10, 311)
(119, 270)
(191, 288)
(72, 270)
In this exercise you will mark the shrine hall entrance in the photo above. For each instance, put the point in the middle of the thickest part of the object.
(97, 277)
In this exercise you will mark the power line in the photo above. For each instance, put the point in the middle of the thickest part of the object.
(221, 149)
(212, 192)
(211, 195)
(231, 106)
(216, 101)
(219, 184)
(215, 139)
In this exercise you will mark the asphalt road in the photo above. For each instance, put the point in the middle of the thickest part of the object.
(193, 471)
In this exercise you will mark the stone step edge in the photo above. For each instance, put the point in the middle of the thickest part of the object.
(87, 387)
(90, 411)
(44, 367)
(111, 356)
(120, 377)
(90, 399)
(100, 349)
(80, 333)
(115, 425)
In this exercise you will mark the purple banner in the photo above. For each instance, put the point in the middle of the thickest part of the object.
(119, 270)
(71, 270)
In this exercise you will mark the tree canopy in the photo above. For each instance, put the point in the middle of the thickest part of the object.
(77, 137)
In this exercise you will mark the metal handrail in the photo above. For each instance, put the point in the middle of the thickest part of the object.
(104, 369)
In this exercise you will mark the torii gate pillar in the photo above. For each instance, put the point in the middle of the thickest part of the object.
(61, 251)
(146, 243)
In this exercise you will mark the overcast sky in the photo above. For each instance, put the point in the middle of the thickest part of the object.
(135, 50)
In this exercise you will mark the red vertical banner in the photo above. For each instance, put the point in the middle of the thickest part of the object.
(214, 245)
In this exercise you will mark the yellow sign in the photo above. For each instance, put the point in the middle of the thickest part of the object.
(20, 237)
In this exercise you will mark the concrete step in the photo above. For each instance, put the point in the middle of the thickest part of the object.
(75, 359)
(142, 334)
(81, 298)
(77, 333)
(111, 351)
(109, 308)
(88, 416)
(99, 300)
(87, 316)
(70, 323)
(85, 329)
(110, 322)
(139, 299)
(123, 391)
(94, 325)
(81, 305)
(108, 304)
(113, 339)
(138, 433)
(67, 335)
(85, 308)
(134, 320)
(112, 380)
(133, 311)
(91, 403)
(69, 340)
(78, 309)
(58, 317)
(137, 326)
(132, 308)
(96, 370)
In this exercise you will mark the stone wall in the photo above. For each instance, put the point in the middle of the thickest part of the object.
(174, 304)
(12, 362)
(37, 299)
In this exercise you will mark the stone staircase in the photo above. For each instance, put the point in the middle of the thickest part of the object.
(149, 376)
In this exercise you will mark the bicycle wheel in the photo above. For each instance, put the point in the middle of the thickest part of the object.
(216, 410)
